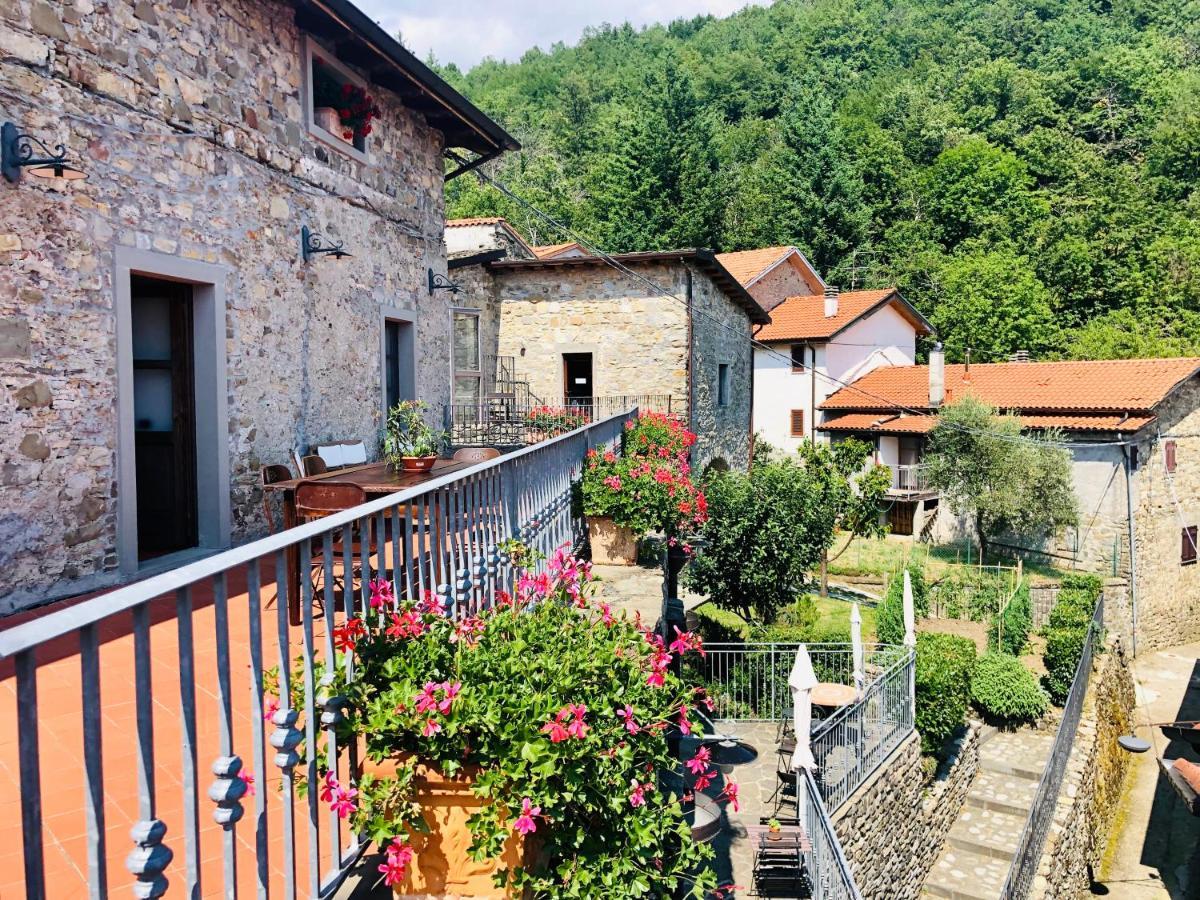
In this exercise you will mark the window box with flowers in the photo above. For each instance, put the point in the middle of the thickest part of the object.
(342, 110)
(517, 752)
(647, 488)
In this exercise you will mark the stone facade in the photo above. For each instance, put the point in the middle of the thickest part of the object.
(187, 118)
(640, 343)
(893, 828)
(1091, 789)
(787, 279)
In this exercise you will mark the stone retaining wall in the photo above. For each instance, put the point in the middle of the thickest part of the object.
(893, 828)
(1091, 789)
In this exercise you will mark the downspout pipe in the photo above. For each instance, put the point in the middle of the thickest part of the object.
(1133, 590)
(691, 357)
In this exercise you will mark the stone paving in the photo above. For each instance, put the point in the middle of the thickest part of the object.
(980, 845)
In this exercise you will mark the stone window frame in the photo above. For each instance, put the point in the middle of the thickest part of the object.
(724, 375)
(1170, 456)
(408, 374)
(310, 47)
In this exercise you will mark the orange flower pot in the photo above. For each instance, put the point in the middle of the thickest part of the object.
(612, 544)
(442, 867)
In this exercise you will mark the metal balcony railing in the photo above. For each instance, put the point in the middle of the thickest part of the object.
(598, 407)
(748, 682)
(911, 478)
(166, 690)
(828, 871)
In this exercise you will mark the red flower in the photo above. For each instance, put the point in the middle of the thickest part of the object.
(345, 637)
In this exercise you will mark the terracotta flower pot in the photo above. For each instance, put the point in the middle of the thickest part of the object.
(417, 463)
(774, 835)
(441, 865)
(612, 544)
(327, 117)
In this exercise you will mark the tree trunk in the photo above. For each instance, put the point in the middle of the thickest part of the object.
(982, 540)
(824, 573)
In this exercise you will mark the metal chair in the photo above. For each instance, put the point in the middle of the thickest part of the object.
(312, 465)
(475, 454)
(271, 475)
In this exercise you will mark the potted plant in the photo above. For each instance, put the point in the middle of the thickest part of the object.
(343, 109)
(516, 752)
(550, 421)
(774, 832)
(645, 489)
(408, 441)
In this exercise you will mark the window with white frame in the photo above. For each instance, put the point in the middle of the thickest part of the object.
(465, 357)
(339, 107)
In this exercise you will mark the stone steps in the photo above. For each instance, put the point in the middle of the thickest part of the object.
(980, 845)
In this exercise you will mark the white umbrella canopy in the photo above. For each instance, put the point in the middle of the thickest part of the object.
(801, 681)
(856, 646)
(910, 632)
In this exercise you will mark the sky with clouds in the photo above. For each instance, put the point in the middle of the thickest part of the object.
(467, 31)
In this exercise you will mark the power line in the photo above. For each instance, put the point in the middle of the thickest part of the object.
(888, 403)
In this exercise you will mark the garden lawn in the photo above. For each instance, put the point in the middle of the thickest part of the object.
(884, 556)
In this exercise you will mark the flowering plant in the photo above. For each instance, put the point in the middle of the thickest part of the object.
(658, 436)
(554, 420)
(643, 494)
(558, 704)
(356, 108)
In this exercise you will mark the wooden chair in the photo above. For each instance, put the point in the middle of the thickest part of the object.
(316, 499)
(312, 465)
(271, 475)
(475, 454)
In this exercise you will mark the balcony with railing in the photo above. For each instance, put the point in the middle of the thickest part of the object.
(911, 479)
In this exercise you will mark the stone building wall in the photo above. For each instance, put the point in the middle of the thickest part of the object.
(894, 826)
(785, 280)
(1168, 591)
(117, 82)
(1091, 789)
(720, 336)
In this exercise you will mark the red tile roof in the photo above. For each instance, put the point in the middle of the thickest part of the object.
(549, 251)
(477, 220)
(1129, 385)
(803, 318)
(746, 265)
(889, 423)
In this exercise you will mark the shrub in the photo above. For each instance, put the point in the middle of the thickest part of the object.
(1084, 582)
(658, 436)
(1068, 614)
(1003, 690)
(720, 626)
(1009, 630)
(943, 679)
(802, 615)
(642, 494)
(971, 592)
(1064, 647)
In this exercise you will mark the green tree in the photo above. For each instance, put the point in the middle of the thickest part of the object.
(854, 491)
(765, 534)
(1006, 481)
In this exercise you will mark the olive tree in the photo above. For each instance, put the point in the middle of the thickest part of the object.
(1008, 482)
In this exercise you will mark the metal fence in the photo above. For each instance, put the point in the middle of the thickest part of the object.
(911, 478)
(198, 640)
(595, 407)
(1032, 842)
(826, 863)
(748, 682)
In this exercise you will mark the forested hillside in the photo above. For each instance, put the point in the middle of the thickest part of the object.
(1027, 172)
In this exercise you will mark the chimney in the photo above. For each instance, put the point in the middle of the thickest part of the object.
(937, 376)
(1021, 356)
(831, 301)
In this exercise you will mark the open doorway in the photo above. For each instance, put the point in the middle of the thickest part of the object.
(164, 415)
(577, 379)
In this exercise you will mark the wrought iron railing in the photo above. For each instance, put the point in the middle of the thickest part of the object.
(197, 642)
(501, 424)
(748, 682)
(828, 871)
(598, 407)
(913, 478)
(1032, 841)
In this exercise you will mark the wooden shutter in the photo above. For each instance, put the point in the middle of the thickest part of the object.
(1187, 553)
(1169, 450)
(797, 423)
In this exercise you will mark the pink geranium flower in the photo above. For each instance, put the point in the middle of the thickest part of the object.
(704, 779)
(556, 731)
(626, 715)
(606, 615)
(432, 727)
(637, 794)
(381, 594)
(426, 698)
(730, 795)
(685, 726)
(271, 709)
(525, 823)
(340, 799)
(248, 779)
(395, 867)
(699, 761)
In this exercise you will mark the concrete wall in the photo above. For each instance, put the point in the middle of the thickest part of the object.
(1091, 790)
(302, 342)
(893, 828)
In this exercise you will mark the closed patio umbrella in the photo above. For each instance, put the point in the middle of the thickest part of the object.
(856, 646)
(801, 681)
(910, 633)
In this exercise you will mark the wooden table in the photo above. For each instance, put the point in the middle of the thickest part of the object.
(376, 479)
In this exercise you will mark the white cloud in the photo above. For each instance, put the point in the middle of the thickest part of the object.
(467, 31)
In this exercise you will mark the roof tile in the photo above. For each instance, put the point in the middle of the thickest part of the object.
(803, 318)
(746, 265)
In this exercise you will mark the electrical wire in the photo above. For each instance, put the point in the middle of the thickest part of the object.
(887, 403)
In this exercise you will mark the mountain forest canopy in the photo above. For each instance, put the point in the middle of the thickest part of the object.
(1026, 171)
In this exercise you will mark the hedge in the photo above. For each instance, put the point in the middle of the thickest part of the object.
(1004, 691)
(943, 683)
(1064, 647)
(720, 626)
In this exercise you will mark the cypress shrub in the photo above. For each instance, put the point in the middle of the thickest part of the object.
(1004, 691)
(1064, 647)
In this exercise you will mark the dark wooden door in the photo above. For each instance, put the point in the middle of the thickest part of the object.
(577, 378)
(164, 416)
